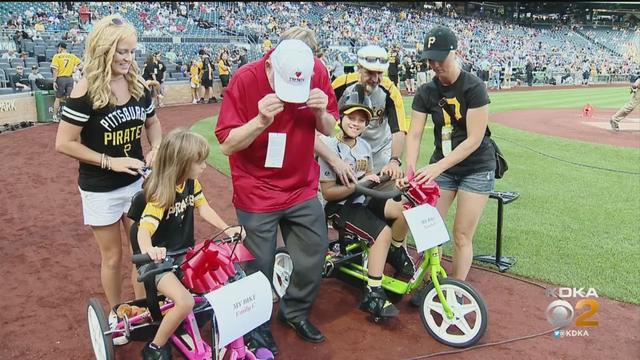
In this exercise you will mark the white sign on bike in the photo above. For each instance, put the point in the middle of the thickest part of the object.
(241, 306)
(427, 227)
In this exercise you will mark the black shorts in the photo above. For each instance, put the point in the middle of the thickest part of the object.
(394, 79)
(224, 79)
(207, 83)
(365, 221)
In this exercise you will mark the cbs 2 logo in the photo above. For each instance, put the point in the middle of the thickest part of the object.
(561, 313)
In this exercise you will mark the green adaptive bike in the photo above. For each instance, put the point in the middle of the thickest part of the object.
(451, 310)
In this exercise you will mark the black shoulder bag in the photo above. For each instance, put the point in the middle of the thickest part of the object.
(501, 161)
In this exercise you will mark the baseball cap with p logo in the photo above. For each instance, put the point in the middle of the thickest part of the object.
(292, 69)
(440, 40)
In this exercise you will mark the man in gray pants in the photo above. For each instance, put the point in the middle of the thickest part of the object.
(269, 138)
(628, 107)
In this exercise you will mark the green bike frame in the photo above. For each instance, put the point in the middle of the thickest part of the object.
(398, 286)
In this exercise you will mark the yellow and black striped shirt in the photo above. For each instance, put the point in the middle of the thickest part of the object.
(173, 227)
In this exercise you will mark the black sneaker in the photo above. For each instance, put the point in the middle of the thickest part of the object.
(201, 101)
(401, 261)
(163, 353)
(261, 337)
(419, 294)
(614, 125)
(375, 302)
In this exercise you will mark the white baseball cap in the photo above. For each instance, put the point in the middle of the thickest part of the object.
(374, 58)
(292, 69)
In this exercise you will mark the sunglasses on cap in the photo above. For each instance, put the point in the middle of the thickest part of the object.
(117, 21)
(375, 59)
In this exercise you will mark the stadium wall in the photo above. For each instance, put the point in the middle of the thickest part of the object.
(19, 107)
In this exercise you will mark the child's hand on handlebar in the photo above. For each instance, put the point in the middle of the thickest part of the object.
(157, 254)
(233, 232)
(402, 183)
(371, 177)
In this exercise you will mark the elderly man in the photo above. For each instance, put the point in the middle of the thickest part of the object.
(386, 131)
(267, 128)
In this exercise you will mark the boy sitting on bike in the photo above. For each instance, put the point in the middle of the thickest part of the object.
(379, 222)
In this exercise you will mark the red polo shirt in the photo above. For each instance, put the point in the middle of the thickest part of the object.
(256, 188)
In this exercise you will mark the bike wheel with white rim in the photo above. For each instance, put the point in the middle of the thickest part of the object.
(470, 314)
(98, 325)
(282, 269)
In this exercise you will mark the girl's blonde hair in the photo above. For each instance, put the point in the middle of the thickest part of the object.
(178, 151)
(98, 55)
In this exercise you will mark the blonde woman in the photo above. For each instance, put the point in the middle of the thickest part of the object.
(102, 127)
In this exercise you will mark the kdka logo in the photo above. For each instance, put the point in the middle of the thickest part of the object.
(560, 313)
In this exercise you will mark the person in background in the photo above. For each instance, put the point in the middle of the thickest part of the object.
(19, 81)
(35, 75)
(224, 71)
(625, 110)
(62, 64)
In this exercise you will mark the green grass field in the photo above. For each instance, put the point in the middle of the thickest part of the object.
(572, 226)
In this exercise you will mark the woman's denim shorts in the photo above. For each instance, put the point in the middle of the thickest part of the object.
(480, 182)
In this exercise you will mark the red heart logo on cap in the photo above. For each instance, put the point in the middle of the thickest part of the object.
(298, 73)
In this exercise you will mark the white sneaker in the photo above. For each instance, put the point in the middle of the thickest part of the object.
(194, 101)
(113, 322)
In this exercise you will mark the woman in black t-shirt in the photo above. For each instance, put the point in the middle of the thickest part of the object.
(103, 122)
(463, 161)
(151, 77)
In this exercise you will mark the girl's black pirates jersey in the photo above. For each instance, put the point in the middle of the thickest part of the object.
(172, 228)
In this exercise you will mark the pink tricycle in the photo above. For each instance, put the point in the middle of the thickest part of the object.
(206, 267)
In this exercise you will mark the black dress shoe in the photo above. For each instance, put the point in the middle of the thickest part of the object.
(261, 337)
(305, 329)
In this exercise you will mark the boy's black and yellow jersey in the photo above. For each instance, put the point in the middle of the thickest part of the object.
(387, 105)
(114, 131)
(173, 228)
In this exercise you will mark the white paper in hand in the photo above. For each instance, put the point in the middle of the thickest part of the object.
(427, 227)
(241, 306)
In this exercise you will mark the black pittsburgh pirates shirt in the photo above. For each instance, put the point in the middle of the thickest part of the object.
(114, 131)
(172, 228)
(468, 92)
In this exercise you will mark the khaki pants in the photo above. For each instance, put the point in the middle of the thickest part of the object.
(627, 108)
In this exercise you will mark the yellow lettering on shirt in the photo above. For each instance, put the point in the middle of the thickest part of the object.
(121, 137)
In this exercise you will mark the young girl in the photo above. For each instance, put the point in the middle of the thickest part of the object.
(195, 72)
(173, 195)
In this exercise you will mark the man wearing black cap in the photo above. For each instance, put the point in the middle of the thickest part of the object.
(463, 161)
(62, 66)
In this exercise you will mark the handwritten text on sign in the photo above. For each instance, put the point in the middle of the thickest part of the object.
(241, 306)
(427, 227)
